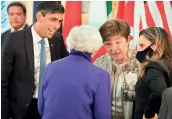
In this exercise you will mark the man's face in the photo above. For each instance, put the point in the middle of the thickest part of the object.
(49, 23)
(17, 17)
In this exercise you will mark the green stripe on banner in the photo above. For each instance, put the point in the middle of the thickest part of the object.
(109, 7)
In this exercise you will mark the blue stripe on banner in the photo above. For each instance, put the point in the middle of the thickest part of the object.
(36, 3)
(4, 16)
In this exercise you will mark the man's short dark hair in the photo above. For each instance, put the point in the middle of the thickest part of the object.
(50, 7)
(18, 4)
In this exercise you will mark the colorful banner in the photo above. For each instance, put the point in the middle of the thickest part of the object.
(4, 16)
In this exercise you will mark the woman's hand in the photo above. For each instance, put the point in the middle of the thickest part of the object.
(155, 117)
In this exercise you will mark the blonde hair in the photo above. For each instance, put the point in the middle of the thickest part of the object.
(163, 42)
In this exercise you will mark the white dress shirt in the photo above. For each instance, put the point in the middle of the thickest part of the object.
(37, 50)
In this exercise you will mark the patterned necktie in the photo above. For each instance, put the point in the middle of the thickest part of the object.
(42, 62)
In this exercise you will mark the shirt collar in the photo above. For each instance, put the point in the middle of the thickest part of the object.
(36, 37)
(84, 54)
(21, 28)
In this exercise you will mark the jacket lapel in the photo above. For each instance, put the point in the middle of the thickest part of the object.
(25, 27)
(29, 48)
(52, 48)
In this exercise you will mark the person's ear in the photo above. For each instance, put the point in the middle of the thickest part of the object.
(39, 16)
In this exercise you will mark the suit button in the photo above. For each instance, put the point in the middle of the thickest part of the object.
(31, 91)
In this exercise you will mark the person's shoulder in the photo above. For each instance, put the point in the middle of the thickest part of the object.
(167, 94)
(57, 34)
(26, 26)
(102, 73)
(156, 65)
(168, 91)
(6, 32)
(18, 35)
(134, 63)
(102, 61)
(154, 70)
(98, 68)
(11, 36)
(60, 62)
(131, 53)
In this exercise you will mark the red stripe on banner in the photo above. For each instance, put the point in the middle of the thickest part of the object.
(101, 52)
(121, 8)
(130, 38)
(140, 25)
(129, 13)
(149, 19)
(160, 5)
(72, 17)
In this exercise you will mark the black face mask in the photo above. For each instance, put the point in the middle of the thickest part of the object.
(141, 55)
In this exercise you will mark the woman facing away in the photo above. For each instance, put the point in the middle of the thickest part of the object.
(156, 71)
(74, 88)
(122, 65)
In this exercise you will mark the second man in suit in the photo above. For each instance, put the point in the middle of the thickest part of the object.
(24, 62)
(17, 19)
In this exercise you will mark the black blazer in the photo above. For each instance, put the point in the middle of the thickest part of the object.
(17, 84)
(4, 35)
(166, 105)
(149, 90)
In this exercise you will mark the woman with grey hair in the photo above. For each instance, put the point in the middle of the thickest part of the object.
(73, 88)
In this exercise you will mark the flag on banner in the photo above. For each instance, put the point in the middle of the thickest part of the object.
(85, 6)
(141, 15)
(97, 13)
(72, 17)
(109, 9)
(4, 16)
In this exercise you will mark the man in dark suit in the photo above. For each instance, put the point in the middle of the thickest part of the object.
(17, 18)
(166, 105)
(24, 62)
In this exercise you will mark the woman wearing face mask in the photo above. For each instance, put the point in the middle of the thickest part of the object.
(122, 65)
(155, 74)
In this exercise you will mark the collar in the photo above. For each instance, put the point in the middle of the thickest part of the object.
(84, 54)
(21, 28)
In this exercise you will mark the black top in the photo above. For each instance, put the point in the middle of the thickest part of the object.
(149, 90)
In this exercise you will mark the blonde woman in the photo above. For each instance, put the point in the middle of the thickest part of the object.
(154, 76)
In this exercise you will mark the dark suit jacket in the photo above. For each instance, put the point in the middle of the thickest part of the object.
(4, 35)
(17, 85)
(166, 105)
